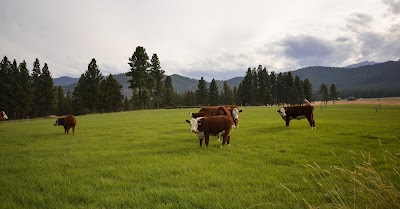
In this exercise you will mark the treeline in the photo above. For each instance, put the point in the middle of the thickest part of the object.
(25, 95)
(257, 88)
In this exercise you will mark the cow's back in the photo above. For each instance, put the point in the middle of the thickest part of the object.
(70, 121)
(299, 110)
(215, 124)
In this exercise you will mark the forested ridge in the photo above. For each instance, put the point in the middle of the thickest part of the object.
(32, 93)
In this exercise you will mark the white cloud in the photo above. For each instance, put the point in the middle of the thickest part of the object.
(198, 38)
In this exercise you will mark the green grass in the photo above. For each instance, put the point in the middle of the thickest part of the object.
(150, 159)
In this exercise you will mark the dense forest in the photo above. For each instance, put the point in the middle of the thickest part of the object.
(29, 95)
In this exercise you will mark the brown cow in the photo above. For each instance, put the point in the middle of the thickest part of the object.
(3, 116)
(68, 122)
(298, 112)
(212, 125)
(230, 110)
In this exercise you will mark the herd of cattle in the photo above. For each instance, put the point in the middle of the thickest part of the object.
(219, 120)
(215, 120)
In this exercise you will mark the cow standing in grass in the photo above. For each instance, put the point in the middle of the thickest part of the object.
(230, 110)
(3, 116)
(298, 112)
(68, 122)
(203, 127)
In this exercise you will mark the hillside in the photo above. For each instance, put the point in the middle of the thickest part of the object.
(371, 76)
(377, 76)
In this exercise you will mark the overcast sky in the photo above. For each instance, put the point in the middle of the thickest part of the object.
(211, 38)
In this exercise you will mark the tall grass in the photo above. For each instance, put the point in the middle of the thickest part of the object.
(150, 159)
(364, 184)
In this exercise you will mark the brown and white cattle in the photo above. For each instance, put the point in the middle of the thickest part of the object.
(68, 122)
(298, 112)
(3, 116)
(230, 110)
(212, 125)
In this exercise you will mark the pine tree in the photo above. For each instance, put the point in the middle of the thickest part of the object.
(299, 90)
(333, 92)
(15, 90)
(110, 95)
(5, 85)
(264, 89)
(323, 93)
(308, 90)
(213, 93)
(280, 89)
(141, 80)
(47, 91)
(227, 94)
(254, 89)
(60, 104)
(86, 93)
(272, 79)
(189, 98)
(158, 78)
(202, 93)
(290, 89)
(168, 92)
(245, 89)
(236, 99)
(36, 88)
(126, 104)
(68, 109)
(25, 98)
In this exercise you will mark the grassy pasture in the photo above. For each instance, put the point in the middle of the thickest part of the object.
(150, 159)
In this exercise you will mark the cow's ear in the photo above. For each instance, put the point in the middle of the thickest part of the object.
(187, 121)
(240, 110)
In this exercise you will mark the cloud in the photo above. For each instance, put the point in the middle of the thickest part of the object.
(358, 21)
(394, 5)
(306, 50)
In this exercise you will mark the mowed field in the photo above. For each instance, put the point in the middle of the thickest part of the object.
(150, 159)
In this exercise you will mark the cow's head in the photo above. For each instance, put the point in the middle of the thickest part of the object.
(194, 124)
(282, 112)
(235, 116)
(58, 122)
(5, 117)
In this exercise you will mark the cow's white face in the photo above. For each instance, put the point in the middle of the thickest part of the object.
(4, 115)
(282, 112)
(235, 115)
(56, 123)
(194, 124)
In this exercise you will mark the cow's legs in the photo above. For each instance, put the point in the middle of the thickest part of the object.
(201, 141)
(311, 121)
(226, 138)
(207, 139)
(287, 121)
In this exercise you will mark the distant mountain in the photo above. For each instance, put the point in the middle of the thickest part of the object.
(64, 81)
(183, 84)
(361, 64)
(375, 76)
(378, 76)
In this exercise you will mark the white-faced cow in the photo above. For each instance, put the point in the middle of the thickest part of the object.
(212, 125)
(3, 116)
(298, 112)
(68, 122)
